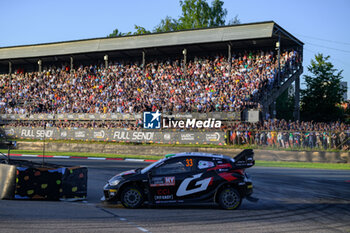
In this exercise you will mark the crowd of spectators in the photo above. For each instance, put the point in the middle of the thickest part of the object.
(128, 125)
(280, 133)
(207, 85)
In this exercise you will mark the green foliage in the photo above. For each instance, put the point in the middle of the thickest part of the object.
(285, 104)
(167, 25)
(234, 21)
(140, 30)
(198, 14)
(115, 33)
(195, 14)
(323, 92)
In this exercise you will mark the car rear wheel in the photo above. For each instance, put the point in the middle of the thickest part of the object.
(229, 198)
(131, 197)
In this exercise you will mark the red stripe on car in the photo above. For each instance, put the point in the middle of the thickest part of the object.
(227, 176)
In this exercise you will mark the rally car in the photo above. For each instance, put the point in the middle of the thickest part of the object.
(188, 177)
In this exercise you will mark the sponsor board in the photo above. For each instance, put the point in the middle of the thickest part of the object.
(163, 181)
(127, 135)
(187, 137)
(149, 136)
(212, 137)
(99, 134)
(79, 134)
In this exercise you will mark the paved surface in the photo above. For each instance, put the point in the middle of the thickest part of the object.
(291, 200)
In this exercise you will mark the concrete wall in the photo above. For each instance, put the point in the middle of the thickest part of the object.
(268, 155)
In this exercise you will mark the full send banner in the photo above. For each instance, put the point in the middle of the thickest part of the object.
(118, 135)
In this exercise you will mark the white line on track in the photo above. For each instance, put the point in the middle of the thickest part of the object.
(95, 158)
(29, 155)
(138, 160)
(142, 229)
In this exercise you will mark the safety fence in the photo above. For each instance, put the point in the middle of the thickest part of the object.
(118, 135)
(292, 139)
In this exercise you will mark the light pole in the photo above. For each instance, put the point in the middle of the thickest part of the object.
(106, 60)
(40, 62)
(278, 48)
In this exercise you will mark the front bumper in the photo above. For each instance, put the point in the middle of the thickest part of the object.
(110, 193)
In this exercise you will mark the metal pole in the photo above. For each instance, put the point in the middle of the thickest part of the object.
(106, 60)
(229, 58)
(297, 99)
(274, 109)
(279, 59)
(40, 63)
(184, 52)
(10, 67)
(143, 63)
(71, 64)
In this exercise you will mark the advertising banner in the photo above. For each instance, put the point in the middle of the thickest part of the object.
(119, 135)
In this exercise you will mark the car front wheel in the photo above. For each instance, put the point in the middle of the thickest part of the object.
(229, 199)
(131, 197)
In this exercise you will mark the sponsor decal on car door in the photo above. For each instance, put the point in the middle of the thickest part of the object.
(183, 188)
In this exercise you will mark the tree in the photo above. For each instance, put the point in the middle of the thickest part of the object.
(234, 21)
(167, 25)
(198, 14)
(195, 14)
(140, 30)
(285, 104)
(115, 33)
(323, 91)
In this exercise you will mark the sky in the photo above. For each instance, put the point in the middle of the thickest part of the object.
(322, 25)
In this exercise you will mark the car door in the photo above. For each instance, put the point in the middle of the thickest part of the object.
(165, 179)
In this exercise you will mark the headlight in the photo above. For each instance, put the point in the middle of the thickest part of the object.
(114, 181)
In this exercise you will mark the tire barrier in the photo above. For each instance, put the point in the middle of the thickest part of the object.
(20, 179)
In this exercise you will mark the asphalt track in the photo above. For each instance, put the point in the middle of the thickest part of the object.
(291, 200)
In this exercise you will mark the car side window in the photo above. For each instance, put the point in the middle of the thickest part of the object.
(205, 163)
(174, 167)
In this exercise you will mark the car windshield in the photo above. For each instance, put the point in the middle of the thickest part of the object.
(149, 167)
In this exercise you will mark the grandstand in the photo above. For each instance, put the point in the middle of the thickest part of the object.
(224, 73)
(220, 52)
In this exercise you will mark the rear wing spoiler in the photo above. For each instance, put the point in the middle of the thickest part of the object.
(245, 159)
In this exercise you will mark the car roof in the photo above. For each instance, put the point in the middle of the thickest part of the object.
(199, 154)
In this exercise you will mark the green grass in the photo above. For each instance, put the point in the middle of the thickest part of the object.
(335, 166)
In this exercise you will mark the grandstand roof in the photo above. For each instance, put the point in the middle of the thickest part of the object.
(234, 34)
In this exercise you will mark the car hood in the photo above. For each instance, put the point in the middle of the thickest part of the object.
(127, 174)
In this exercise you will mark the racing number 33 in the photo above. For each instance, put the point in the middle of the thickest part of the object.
(189, 163)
